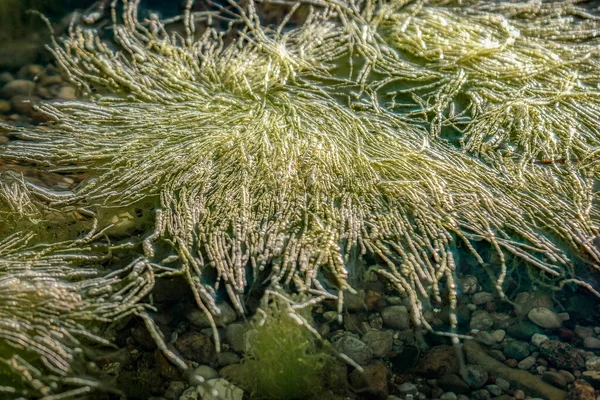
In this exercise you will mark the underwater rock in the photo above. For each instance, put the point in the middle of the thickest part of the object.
(453, 383)
(373, 382)
(475, 376)
(438, 361)
(562, 355)
(591, 343)
(380, 342)
(396, 317)
(517, 378)
(545, 318)
(354, 348)
(481, 320)
(516, 349)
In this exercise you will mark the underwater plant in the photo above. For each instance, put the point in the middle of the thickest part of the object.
(503, 79)
(293, 363)
(259, 174)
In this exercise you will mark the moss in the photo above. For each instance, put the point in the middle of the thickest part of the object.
(283, 359)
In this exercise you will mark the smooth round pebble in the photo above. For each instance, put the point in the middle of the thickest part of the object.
(545, 318)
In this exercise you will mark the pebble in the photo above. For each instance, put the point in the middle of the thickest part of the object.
(592, 377)
(234, 334)
(380, 342)
(593, 363)
(497, 354)
(225, 391)
(175, 390)
(6, 77)
(545, 318)
(494, 390)
(485, 338)
(584, 331)
(197, 347)
(541, 369)
(568, 376)
(562, 355)
(475, 376)
(226, 358)
(373, 380)
(24, 105)
(538, 339)
(524, 330)
(198, 318)
(448, 396)
(453, 383)
(591, 343)
(526, 363)
(354, 348)
(408, 388)
(499, 335)
(481, 320)
(519, 394)
(503, 384)
(18, 87)
(30, 72)
(468, 284)
(555, 379)
(4, 107)
(396, 317)
(481, 394)
(206, 372)
(516, 349)
(482, 298)
(50, 80)
(67, 93)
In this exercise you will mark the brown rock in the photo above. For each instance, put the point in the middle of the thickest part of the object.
(4, 107)
(197, 347)
(374, 300)
(438, 361)
(581, 390)
(18, 87)
(562, 355)
(372, 381)
(24, 105)
(555, 379)
(165, 367)
(30, 72)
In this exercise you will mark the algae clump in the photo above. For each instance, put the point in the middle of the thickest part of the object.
(283, 359)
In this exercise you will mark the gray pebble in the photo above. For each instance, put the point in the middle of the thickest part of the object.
(448, 396)
(503, 384)
(380, 342)
(538, 339)
(475, 376)
(545, 318)
(494, 390)
(516, 349)
(481, 320)
(408, 388)
(526, 363)
(591, 343)
(354, 348)
(482, 298)
(396, 317)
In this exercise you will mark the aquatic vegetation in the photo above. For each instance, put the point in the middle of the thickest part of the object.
(53, 300)
(516, 79)
(292, 364)
(263, 156)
